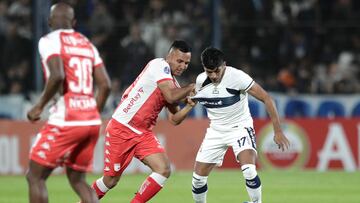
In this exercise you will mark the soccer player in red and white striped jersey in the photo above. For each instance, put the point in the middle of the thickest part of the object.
(71, 63)
(129, 132)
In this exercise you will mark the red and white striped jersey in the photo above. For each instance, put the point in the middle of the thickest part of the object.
(142, 101)
(77, 105)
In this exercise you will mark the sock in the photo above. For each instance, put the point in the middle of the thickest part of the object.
(199, 188)
(100, 187)
(253, 183)
(152, 185)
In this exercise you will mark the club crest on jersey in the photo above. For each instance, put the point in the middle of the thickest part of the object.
(117, 167)
(215, 91)
(167, 70)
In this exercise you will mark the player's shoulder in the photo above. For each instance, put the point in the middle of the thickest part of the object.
(50, 36)
(201, 77)
(234, 72)
(158, 62)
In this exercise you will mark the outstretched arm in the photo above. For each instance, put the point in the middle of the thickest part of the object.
(52, 85)
(177, 115)
(173, 94)
(259, 93)
(102, 81)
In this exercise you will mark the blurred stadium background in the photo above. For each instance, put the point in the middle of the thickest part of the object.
(305, 52)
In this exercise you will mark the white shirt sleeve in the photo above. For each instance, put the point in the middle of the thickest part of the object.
(49, 46)
(245, 81)
(199, 82)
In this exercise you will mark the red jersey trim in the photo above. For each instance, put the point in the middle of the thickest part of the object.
(163, 80)
(98, 65)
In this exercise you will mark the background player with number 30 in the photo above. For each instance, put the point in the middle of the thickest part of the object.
(71, 63)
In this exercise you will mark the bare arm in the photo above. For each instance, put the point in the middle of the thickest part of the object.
(259, 93)
(102, 81)
(177, 115)
(173, 94)
(52, 86)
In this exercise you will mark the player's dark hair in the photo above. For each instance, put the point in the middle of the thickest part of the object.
(212, 58)
(181, 45)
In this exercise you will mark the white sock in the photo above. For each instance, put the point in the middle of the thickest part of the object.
(253, 183)
(101, 185)
(199, 188)
(158, 178)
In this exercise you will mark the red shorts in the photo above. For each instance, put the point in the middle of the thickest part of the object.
(122, 144)
(72, 146)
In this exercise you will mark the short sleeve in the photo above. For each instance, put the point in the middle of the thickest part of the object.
(97, 59)
(245, 81)
(160, 70)
(49, 47)
(198, 83)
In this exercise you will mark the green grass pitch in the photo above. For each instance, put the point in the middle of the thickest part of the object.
(224, 186)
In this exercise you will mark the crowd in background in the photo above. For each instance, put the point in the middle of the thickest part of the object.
(291, 46)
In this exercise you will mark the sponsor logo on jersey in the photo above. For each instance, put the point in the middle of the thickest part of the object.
(167, 70)
(213, 103)
(134, 99)
(82, 103)
(272, 157)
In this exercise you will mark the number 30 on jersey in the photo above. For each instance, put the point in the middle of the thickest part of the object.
(82, 71)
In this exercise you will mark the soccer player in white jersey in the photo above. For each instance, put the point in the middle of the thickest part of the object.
(129, 132)
(223, 90)
(70, 63)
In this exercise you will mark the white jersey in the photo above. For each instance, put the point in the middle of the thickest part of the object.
(76, 106)
(142, 101)
(226, 102)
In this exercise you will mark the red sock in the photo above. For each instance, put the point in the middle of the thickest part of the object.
(147, 190)
(99, 193)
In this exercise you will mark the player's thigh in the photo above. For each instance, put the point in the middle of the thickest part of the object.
(52, 145)
(213, 148)
(157, 161)
(37, 171)
(118, 153)
(82, 154)
(150, 151)
(243, 143)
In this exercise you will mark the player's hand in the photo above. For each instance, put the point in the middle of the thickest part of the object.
(190, 102)
(34, 113)
(281, 141)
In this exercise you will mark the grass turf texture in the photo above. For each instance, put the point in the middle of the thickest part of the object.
(224, 186)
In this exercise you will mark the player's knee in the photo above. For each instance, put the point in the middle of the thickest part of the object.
(199, 183)
(31, 178)
(111, 181)
(163, 170)
(250, 175)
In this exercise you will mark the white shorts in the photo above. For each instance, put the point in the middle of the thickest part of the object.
(215, 144)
